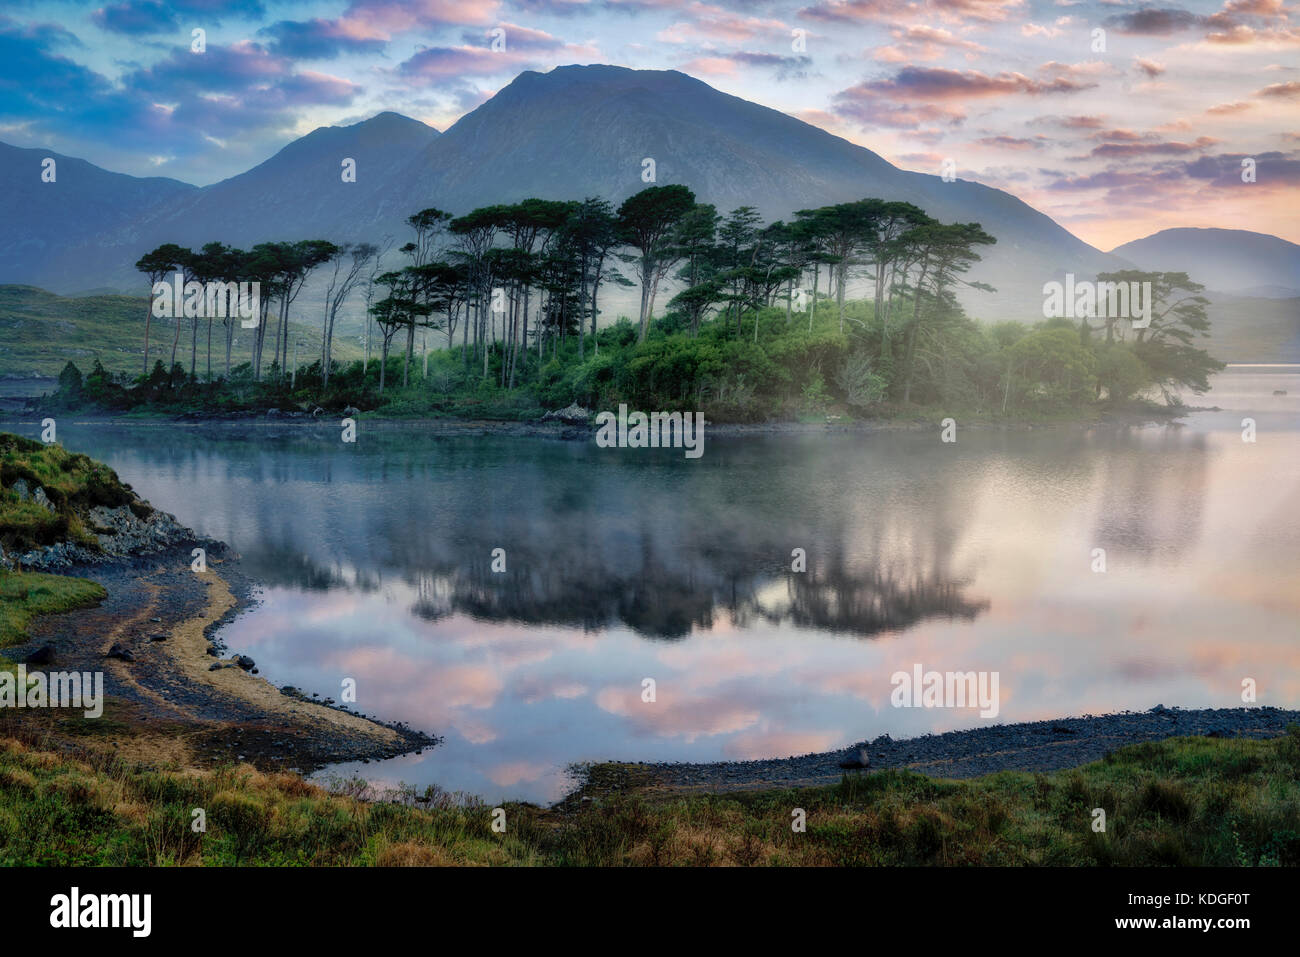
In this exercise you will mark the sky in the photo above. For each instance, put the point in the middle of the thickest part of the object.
(1117, 118)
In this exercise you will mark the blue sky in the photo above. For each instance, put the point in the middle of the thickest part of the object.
(1114, 143)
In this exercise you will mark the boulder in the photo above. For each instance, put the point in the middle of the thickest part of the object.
(856, 758)
(41, 656)
(572, 414)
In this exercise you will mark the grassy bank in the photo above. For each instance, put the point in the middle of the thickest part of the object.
(70, 484)
(24, 595)
(1188, 801)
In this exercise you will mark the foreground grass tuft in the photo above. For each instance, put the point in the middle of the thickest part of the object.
(24, 595)
(1185, 801)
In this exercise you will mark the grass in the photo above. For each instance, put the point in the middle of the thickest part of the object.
(24, 595)
(1188, 801)
(41, 331)
(73, 483)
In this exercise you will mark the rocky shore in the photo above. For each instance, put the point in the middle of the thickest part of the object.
(174, 694)
(1029, 746)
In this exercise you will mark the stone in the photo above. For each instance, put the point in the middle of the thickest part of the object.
(41, 656)
(573, 414)
(856, 758)
(119, 652)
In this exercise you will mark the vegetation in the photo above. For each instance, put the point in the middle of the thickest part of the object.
(1182, 801)
(24, 595)
(41, 332)
(69, 484)
(750, 334)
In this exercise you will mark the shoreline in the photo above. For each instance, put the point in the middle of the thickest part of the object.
(1027, 746)
(568, 431)
(178, 698)
(171, 695)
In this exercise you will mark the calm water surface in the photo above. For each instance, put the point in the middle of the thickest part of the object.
(622, 565)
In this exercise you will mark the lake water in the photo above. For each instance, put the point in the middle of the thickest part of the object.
(376, 564)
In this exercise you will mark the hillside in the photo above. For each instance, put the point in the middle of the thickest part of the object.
(41, 331)
(1234, 261)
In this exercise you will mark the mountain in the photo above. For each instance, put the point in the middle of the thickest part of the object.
(298, 193)
(1234, 261)
(576, 131)
(50, 231)
(584, 131)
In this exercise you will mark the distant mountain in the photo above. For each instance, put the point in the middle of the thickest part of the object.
(298, 193)
(51, 232)
(1234, 261)
(576, 131)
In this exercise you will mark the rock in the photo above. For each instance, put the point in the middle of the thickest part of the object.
(1159, 709)
(1062, 729)
(160, 636)
(245, 662)
(41, 499)
(22, 490)
(350, 410)
(41, 656)
(213, 650)
(573, 414)
(119, 652)
(317, 412)
(857, 758)
(272, 413)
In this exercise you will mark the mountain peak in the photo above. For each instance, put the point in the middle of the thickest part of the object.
(394, 122)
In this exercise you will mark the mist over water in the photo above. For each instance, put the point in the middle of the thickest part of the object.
(624, 564)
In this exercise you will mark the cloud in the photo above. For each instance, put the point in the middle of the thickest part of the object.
(1227, 108)
(714, 25)
(317, 39)
(784, 67)
(524, 48)
(1153, 148)
(1287, 90)
(1149, 67)
(1010, 142)
(924, 43)
(934, 83)
(136, 18)
(948, 11)
(1154, 21)
(398, 16)
(147, 17)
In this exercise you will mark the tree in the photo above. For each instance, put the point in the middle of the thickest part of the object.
(351, 262)
(429, 225)
(647, 222)
(593, 227)
(155, 265)
(943, 253)
(398, 310)
(842, 232)
(475, 234)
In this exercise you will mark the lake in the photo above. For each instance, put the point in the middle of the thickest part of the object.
(621, 565)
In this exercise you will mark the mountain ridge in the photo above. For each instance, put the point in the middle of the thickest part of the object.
(572, 132)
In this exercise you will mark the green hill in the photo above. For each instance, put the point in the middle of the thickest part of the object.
(40, 332)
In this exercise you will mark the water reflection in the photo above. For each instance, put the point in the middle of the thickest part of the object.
(376, 562)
